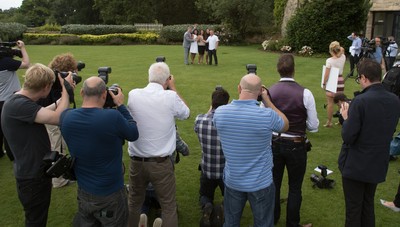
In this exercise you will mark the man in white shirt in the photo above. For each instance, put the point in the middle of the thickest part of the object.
(155, 108)
(212, 41)
(354, 50)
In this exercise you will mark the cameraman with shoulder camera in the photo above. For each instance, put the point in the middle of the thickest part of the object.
(369, 123)
(95, 137)
(9, 83)
(24, 127)
(391, 53)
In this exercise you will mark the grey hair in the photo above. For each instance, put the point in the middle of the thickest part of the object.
(96, 91)
(159, 73)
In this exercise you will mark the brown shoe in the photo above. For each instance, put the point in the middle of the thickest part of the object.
(306, 225)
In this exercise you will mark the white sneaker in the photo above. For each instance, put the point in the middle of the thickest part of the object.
(157, 222)
(143, 220)
(390, 205)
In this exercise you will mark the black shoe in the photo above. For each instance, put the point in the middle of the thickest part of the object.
(392, 158)
(205, 219)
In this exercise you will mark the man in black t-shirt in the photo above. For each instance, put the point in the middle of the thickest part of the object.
(9, 83)
(23, 126)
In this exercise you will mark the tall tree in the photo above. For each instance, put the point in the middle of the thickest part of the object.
(242, 16)
(36, 11)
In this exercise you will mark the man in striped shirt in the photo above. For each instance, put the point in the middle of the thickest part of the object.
(245, 132)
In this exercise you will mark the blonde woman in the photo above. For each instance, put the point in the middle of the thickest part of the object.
(337, 60)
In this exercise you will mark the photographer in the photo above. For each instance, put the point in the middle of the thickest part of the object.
(378, 53)
(391, 53)
(289, 148)
(245, 132)
(95, 137)
(369, 123)
(9, 83)
(61, 63)
(24, 127)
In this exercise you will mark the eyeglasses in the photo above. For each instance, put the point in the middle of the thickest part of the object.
(358, 79)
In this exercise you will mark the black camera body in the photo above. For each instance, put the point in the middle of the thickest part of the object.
(160, 59)
(321, 181)
(56, 89)
(6, 50)
(251, 68)
(56, 165)
(103, 74)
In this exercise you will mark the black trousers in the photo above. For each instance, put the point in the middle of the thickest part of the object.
(353, 63)
(3, 139)
(34, 195)
(359, 200)
(293, 156)
(212, 53)
(207, 189)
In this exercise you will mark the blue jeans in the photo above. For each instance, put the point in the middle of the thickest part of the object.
(261, 203)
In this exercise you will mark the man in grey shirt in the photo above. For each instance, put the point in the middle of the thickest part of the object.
(187, 40)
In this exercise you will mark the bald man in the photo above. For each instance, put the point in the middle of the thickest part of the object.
(245, 132)
(95, 137)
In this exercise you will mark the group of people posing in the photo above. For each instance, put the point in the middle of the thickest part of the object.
(201, 43)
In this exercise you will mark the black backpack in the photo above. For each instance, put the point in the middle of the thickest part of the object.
(391, 80)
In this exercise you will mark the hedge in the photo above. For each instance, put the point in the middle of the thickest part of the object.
(80, 29)
(71, 39)
(11, 31)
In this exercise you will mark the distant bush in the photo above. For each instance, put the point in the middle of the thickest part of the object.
(50, 28)
(80, 29)
(110, 39)
(11, 31)
(174, 33)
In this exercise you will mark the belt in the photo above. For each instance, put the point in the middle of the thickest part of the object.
(153, 159)
(293, 139)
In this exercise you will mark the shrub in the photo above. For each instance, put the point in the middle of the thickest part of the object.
(71, 39)
(319, 22)
(50, 28)
(79, 29)
(11, 31)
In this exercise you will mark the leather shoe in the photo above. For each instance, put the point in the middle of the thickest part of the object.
(390, 205)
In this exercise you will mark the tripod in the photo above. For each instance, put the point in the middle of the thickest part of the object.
(365, 54)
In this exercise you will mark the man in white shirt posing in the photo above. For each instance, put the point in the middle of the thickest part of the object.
(212, 41)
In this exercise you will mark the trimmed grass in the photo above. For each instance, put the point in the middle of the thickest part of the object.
(195, 83)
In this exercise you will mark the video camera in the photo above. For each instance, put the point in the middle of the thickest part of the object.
(368, 47)
(103, 74)
(321, 181)
(6, 50)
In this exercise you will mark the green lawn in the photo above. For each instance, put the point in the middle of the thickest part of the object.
(324, 208)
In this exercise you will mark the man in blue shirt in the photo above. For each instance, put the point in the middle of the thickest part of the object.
(95, 137)
(354, 50)
(245, 132)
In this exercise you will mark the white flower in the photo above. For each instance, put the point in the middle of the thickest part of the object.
(265, 44)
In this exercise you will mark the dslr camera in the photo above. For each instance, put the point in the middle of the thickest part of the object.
(321, 181)
(6, 50)
(56, 89)
(103, 74)
(252, 69)
(56, 165)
